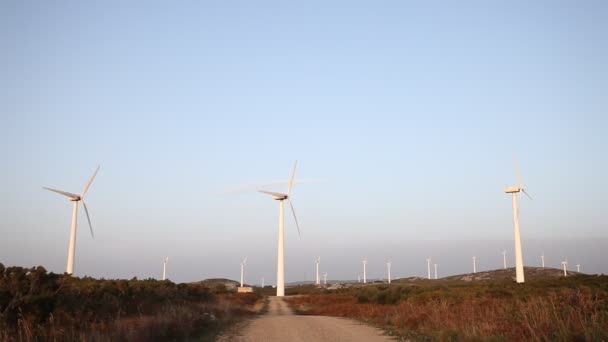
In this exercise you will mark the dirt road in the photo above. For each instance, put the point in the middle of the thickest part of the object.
(280, 324)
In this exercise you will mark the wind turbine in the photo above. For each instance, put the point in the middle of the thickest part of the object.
(388, 266)
(428, 267)
(281, 241)
(578, 268)
(262, 282)
(504, 259)
(542, 260)
(243, 269)
(317, 261)
(565, 264)
(165, 261)
(519, 260)
(364, 261)
(474, 265)
(325, 278)
(435, 270)
(359, 278)
(75, 199)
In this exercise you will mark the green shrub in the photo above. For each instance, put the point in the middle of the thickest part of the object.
(48, 306)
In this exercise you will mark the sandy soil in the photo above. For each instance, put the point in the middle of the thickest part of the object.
(280, 324)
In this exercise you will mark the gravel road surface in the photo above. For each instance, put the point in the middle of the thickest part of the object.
(280, 324)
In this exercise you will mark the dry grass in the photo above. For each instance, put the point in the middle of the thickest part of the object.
(476, 313)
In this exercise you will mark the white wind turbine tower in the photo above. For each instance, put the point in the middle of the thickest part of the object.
(317, 261)
(542, 260)
(428, 267)
(75, 199)
(565, 264)
(165, 260)
(474, 265)
(281, 240)
(578, 268)
(513, 190)
(359, 277)
(243, 269)
(435, 270)
(364, 261)
(388, 266)
(504, 259)
(325, 278)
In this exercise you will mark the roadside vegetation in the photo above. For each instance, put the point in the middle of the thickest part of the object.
(36, 305)
(559, 309)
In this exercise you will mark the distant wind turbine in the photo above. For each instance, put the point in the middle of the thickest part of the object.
(578, 268)
(165, 261)
(565, 264)
(388, 266)
(435, 270)
(474, 265)
(364, 261)
(325, 278)
(262, 282)
(243, 269)
(75, 199)
(359, 278)
(542, 260)
(281, 241)
(428, 267)
(504, 259)
(317, 261)
(519, 260)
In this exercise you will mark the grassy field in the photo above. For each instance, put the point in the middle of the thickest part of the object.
(542, 309)
(39, 306)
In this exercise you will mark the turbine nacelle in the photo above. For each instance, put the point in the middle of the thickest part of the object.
(514, 188)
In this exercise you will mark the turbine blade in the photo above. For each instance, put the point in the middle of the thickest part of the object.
(294, 216)
(524, 191)
(293, 174)
(64, 193)
(86, 210)
(517, 175)
(275, 194)
(86, 186)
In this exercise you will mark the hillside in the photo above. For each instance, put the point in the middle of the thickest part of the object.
(530, 273)
(500, 275)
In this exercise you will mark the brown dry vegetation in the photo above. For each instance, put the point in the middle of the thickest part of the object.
(571, 309)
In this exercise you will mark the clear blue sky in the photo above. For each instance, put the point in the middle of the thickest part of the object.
(404, 117)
